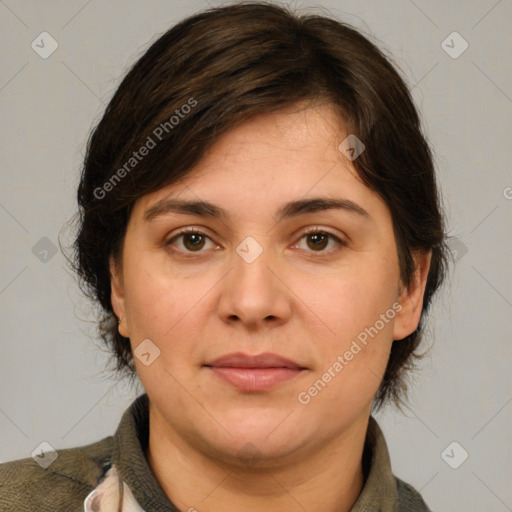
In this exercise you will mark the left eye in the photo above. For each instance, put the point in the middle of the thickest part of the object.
(194, 241)
(318, 240)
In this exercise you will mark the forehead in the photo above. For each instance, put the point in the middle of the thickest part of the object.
(295, 133)
(270, 159)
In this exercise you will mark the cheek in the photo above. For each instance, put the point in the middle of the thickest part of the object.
(168, 307)
(356, 301)
(359, 311)
(155, 302)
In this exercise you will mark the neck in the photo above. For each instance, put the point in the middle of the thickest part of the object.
(326, 478)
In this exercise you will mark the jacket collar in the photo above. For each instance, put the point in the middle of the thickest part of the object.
(131, 440)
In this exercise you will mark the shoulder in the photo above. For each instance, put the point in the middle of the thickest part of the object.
(62, 486)
(409, 499)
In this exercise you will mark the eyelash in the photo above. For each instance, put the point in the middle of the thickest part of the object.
(310, 231)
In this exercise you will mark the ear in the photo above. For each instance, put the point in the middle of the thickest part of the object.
(117, 296)
(411, 299)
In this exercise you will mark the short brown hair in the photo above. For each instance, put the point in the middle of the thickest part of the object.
(229, 64)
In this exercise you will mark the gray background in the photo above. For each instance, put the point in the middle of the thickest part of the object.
(52, 382)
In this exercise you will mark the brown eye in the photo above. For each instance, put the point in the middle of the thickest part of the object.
(193, 241)
(318, 240)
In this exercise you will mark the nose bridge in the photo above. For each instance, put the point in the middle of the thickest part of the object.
(250, 268)
(253, 292)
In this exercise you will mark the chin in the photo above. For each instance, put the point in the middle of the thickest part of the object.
(267, 434)
(246, 452)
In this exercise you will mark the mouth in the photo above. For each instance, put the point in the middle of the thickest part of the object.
(254, 373)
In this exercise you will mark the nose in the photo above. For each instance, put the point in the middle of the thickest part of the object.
(253, 292)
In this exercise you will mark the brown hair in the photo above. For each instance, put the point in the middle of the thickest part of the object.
(218, 68)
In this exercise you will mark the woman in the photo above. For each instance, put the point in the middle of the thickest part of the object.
(260, 222)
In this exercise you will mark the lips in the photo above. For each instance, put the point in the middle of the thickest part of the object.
(254, 373)
(239, 360)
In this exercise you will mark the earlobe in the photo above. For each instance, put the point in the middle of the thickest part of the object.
(411, 298)
(117, 296)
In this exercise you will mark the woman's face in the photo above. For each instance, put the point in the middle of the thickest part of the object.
(314, 290)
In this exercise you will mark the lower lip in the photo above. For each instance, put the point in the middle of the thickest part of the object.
(255, 379)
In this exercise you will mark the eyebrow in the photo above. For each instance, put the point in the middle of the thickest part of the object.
(289, 210)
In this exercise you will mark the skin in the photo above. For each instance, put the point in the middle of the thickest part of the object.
(297, 300)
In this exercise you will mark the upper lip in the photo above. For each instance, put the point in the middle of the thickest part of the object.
(266, 360)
